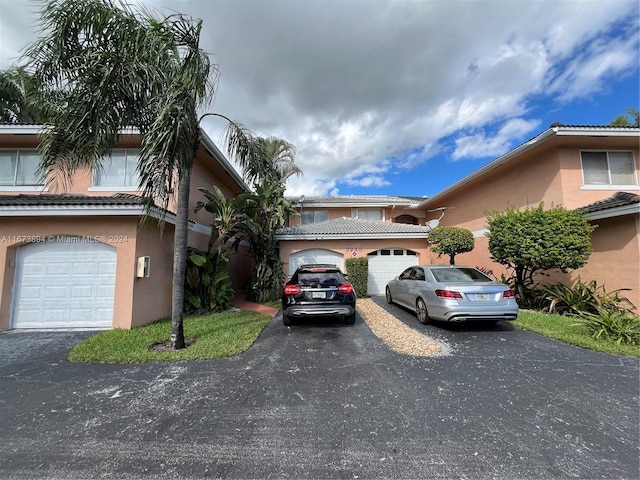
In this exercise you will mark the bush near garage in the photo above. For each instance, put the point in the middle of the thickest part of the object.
(358, 272)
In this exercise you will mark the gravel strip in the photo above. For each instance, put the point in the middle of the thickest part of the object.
(396, 334)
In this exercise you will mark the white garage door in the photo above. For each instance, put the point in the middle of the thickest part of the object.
(64, 284)
(386, 264)
(314, 255)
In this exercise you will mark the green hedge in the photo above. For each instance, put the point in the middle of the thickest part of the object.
(358, 272)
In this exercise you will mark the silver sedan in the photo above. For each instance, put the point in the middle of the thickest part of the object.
(451, 293)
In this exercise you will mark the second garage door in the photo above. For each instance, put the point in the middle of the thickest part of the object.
(385, 264)
(315, 255)
(63, 284)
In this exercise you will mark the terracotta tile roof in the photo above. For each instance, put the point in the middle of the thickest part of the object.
(352, 226)
(618, 199)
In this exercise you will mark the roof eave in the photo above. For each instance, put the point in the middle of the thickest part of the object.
(534, 142)
(633, 209)
(219, 156)
(72, 210)
(351, 236)
(493, 164)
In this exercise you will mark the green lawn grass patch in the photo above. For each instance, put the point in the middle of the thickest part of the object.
(216, 335)
(568, 330)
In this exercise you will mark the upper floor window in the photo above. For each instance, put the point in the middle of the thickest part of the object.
(367, 213)
(18, 168)
(119, 170)
(313, 216)
(608, 168)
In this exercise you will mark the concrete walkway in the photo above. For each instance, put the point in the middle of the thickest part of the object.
(240, 301)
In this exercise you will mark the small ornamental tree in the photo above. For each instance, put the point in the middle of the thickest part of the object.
(534, 239)
(451, 241)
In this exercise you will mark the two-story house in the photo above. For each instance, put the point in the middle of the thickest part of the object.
(579, 167)
(389, 230)
(81, 257)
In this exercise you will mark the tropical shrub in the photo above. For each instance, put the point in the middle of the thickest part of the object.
(207, 283)
(532, 240)
(358, 272)
(618, 325)
(583, 297)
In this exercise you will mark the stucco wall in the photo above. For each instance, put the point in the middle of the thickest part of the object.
(615, 258)
(552, 175)
(152, 295)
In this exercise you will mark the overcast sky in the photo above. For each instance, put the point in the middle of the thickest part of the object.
(402, 98)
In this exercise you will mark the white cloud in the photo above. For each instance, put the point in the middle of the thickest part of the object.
(480, 146)
(367, 89)
(590, 71)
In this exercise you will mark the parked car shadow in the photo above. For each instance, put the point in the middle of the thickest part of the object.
(474, 326)
(322, 322)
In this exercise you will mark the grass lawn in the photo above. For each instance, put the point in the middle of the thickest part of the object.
(567, 329)
(216, 336)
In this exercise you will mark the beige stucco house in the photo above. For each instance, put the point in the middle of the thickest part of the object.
(80, 257)
(579, 167)
(390, 231)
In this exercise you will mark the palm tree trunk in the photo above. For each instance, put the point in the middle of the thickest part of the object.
(180, 243)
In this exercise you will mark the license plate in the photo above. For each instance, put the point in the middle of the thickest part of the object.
(317, 294)
(482, 297)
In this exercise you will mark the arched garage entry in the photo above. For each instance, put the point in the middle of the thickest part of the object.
(66, 282)
(386, 263)
(315, 255)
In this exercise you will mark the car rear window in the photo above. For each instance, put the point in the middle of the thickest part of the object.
(459, 275)
(320, 279)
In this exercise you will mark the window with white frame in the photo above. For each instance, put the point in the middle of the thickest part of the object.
(313, 216)
(608, 168)
(119, 170)
(367, 213)
(18, 168)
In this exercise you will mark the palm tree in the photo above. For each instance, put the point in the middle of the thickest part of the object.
(630, 119)
(110, 67)
(17, 97)
(266, 163)
(268, 167)
(272, 161)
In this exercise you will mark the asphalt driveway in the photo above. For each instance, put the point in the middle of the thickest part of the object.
(323, 401)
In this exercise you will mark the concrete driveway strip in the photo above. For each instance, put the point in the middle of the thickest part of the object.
(323, 401)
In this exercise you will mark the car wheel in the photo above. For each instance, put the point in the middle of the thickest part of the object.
(387, 293)
(421, 312)
(287, 320)
(350, 319)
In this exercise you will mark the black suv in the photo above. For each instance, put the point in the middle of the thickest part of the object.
(318, 290)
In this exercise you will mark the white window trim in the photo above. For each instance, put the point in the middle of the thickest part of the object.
(587, 186)
(24, 188)
(611, 187)
(314, 211)
(38, 187)
(354, 212)
(115, 188)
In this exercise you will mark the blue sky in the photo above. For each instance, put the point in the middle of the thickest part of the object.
(402, 97)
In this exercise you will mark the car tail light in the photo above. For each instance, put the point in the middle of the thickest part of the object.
(291, 289)
(448, 294)
(508, 294)
(345, 288)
